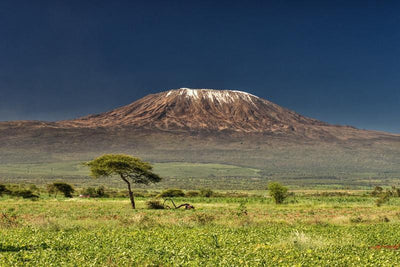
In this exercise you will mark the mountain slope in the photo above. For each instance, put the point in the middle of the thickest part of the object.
(215, 111)
(201, 109)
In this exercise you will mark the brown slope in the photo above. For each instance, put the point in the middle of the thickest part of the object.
(201, 109)
(216, 111)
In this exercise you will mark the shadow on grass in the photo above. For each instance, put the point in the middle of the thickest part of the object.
(10, 248)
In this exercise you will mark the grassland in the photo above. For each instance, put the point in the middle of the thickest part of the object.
(188, 175)
(308, 230)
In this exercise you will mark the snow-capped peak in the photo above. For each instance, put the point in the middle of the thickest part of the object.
(222, 96)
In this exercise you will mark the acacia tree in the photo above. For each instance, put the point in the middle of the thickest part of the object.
(128, 168)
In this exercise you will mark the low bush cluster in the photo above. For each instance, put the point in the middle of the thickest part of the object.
(172, 193)
(17, 192)
(94, 192)
(155, 204)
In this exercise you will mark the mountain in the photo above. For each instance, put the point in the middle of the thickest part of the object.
(199, 110)
(208, 126)
(215, 112)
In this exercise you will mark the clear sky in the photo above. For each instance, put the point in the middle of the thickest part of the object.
(337, 61)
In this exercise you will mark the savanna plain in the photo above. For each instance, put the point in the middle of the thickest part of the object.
(226, 228)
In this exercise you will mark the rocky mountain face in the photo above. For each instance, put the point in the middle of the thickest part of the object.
(215, 112)
(199, 110)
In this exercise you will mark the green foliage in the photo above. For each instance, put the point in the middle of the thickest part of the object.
(204, 192)
(17, 192)
(64, 188)
(155, 204)
(172, 193)
(3, 189)
(129, 169)
(317, 231)
(94, 192)
(125, 166)
(278, 192)
(24, 193)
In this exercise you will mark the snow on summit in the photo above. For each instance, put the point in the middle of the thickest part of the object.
(222, 96)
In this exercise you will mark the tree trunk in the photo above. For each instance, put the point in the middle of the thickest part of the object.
(130, 191)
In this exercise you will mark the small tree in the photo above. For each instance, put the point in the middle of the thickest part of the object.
(128, 168)
(278, 192)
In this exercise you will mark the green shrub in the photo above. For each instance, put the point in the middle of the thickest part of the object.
(172, 193)
(94, 192)
(206, 192)
(154, 204)
(3, 189)
(64, 188)
(278, 192)
(24, 194)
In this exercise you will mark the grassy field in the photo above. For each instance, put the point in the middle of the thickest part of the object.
(188, 175)
(307, 230)
(170, 169)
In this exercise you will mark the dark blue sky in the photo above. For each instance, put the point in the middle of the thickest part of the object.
(338, 61)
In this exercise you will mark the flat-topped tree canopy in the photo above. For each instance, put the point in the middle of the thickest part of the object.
(130, 169)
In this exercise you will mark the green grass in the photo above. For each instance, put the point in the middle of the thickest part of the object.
(188, 175)
(187, 170)
(310, 231)
(170, 169)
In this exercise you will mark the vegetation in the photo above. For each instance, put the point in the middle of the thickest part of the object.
(206, 192)
(63, 188)
(155, 204)
(128, 168)
(312, 229)
(278, 192)
(94, 192)
(3, 189)
(172, 193)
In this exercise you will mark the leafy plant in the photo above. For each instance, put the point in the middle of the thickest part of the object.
(278, 192)
(172, 193)
(155, 204)
(206, 192)
(64, 188)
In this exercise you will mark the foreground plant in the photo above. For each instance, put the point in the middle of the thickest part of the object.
(128, 168)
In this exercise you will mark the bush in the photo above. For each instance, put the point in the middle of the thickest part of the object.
(154, 204)
(206, 192)
(64, 188)
(3, 189)
(192, 194)
(24, 194)
(278, 192)
(172, 193)
(94, 192)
